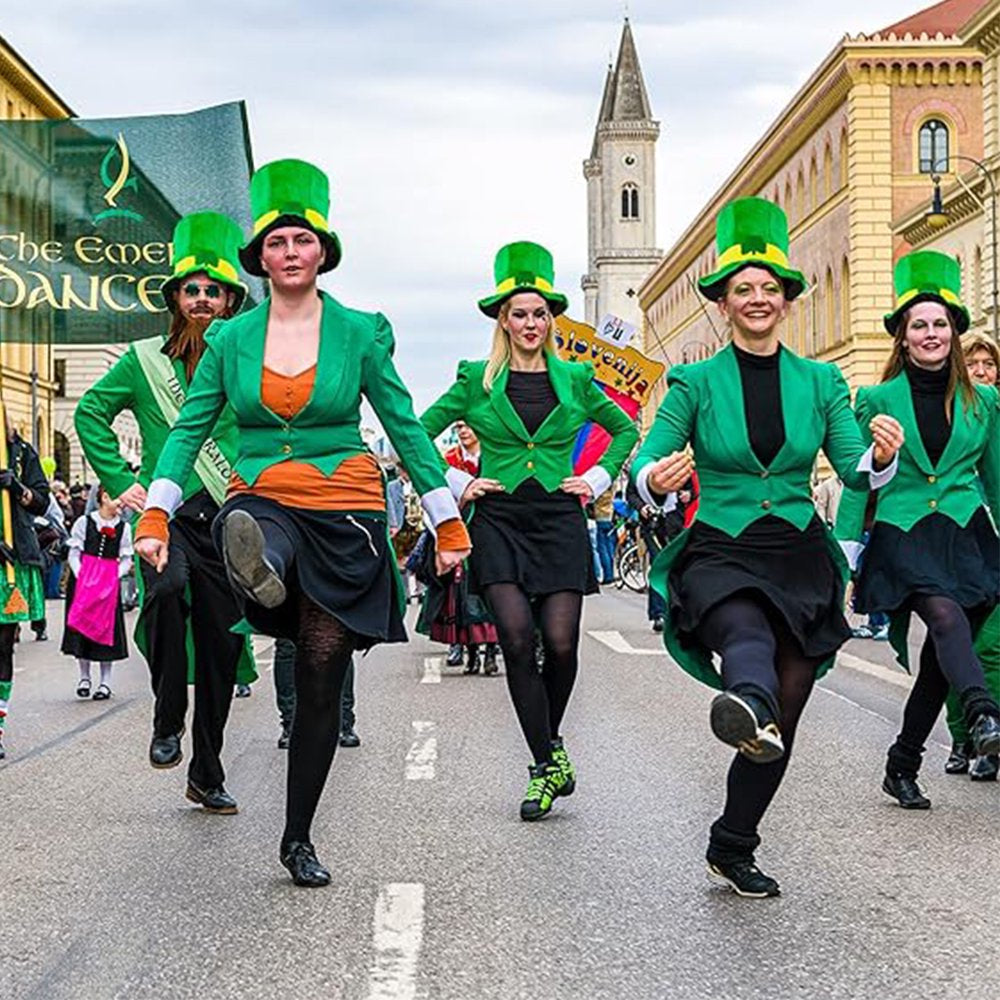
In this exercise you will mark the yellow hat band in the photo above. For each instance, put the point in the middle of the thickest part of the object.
(942, 293)
(737, 255)
(509, 284)
(315, 219)
(188, 264)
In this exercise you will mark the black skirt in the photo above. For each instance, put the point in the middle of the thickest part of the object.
(78, 645)
(791, 569)
(936, 556)
(343, 563)
(533, 538)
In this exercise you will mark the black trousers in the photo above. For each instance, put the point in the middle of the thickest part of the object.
(194, 566)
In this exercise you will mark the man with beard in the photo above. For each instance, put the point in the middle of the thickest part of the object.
(189, 608)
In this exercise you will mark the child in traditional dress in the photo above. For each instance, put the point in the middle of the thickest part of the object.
(100, 554)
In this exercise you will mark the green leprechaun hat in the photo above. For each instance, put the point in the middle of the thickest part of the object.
(523, 267)
(289, 193)
(208, 242)
(927, 275)
(751, 232)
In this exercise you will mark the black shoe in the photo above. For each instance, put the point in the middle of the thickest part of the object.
(213, 800)
(490, 661)
(985, 736)
(349, 738)
(658, 623)
(958, 759)
(985, 768)
(744, 878)
(744, 722)
(299, 857)
(41, 636)
(286, 735)
(3, 753)
(243, 691)
(165, 751)
(455, 655)
(472, 666)
(905, 791)
(248, 568)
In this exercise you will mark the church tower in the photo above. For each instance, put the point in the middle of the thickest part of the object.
(621, 193)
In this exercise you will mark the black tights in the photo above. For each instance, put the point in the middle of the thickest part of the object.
(759, 656)
(947, 660)
(539, 697)
(323, 653)
(7, 633)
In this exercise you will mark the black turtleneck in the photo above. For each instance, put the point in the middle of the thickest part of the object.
(928, 390)
(761, 383)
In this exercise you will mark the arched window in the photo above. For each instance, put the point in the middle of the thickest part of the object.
(800, 198)
(813, 186)
(812, 341)
(976, 299)
(630, 201)
(845, 300)
(843, 158)
(933, 147)
(830, 302)
(827, 171)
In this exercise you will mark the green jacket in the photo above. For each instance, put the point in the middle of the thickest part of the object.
(124, 387)
(509, 453)
(355, 358)
(705, 407)
(967, 472)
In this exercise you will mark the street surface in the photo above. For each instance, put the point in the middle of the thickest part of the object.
(115, 887)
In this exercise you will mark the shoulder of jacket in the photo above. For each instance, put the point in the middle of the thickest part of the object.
(472, 369)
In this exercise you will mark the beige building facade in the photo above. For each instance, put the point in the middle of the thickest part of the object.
(849, 155)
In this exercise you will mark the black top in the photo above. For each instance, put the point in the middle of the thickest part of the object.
(761, 383)
(928, 390)
(532, 396)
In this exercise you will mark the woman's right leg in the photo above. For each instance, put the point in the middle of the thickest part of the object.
(323, 647)
(7, 633)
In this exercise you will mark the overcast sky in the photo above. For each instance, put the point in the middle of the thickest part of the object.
(448, 128)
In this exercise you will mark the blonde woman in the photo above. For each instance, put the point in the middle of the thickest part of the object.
(531, 552)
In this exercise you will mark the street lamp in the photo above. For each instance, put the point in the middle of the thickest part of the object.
(937, 218)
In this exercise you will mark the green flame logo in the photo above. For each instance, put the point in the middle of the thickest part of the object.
(119, 184)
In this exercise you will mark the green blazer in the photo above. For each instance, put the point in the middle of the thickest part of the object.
(509, 453)
(355, 358)
(967, 472)
(124, 387)
(705, 407)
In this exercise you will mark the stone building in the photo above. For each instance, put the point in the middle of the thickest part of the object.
(852, 152)
(621, 193)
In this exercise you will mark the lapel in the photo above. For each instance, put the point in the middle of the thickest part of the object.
(503, 408)
(899, 403)
(328, 358)
(250, 362)
(562, 386)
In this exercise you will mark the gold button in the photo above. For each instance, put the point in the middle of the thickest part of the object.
(531, 465)
(932, 503)
(932, 479)
(765, 474)
(286, 448)
(531, 444)
(766, 505)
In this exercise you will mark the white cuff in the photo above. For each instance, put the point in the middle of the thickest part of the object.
(457, 480)
(642, 485)
(597, 478)
(877, 479)
(164, 494)
(439, 505)
(852, 553)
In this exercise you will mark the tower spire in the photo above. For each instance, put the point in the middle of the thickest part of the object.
(630, 101)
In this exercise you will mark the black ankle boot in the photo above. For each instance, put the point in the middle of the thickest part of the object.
(299, 857)
(905, 790)
(985, 768)
(958, 759)
(985, 736)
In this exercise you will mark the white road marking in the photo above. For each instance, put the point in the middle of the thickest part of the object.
(423, 752)
(432, 670)
(617, 642)
(399, 933)
(889, 674)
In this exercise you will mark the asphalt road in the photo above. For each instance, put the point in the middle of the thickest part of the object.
(113, 886)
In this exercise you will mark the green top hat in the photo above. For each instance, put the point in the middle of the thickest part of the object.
(928, 275)
(289, 193)
(209, 242)
(523, 267)
(751, 232)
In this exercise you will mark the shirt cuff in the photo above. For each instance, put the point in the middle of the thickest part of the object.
(597, 478)
(453, 536)
(852, 553)
(666, 505)
(457, 480)
(154, 523)
(880, 478)
(164, 494)
(439, 505)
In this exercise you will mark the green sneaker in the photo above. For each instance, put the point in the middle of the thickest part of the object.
(542, 791)
(566, 769)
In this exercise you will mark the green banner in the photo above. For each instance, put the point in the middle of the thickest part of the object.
(87, 210)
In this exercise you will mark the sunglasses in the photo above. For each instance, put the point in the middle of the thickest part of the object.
(193, 289)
